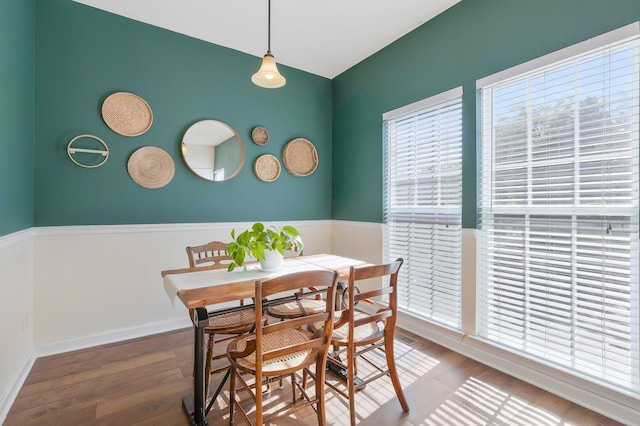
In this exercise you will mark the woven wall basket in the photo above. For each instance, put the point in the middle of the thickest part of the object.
(151, 167)
(300, 157)
(260, 135)
(267, 168)
(127, 114)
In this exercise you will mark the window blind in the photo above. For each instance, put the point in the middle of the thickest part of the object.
(422, 204)
(559, 207)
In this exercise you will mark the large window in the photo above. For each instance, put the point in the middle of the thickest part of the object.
(423, 204)
(559, 209)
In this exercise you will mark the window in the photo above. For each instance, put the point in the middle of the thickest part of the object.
(423, 204)
(559, 209)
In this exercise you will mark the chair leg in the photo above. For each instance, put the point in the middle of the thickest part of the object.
(319, 382)
(232, 394)
(258, 399)
(393, 372)
(355, 364)
(207, 367)
(351, 374)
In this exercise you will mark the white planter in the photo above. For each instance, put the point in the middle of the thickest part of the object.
(272, 261)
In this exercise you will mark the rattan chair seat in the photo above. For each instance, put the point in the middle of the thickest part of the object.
(218, 323)
(271, 341)
(362, 333)
(292, 309)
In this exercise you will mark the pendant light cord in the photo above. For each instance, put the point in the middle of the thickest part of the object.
(269, 29)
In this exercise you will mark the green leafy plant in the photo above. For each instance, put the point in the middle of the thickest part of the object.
(255, 241)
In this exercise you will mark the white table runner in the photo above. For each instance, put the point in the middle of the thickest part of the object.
(173, 283)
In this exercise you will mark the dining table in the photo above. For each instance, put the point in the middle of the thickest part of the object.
(201, 287)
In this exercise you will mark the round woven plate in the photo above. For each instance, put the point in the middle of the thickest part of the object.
(300, 157)
(267, 168)
(260, 135)
(127, 114)
(151, 167)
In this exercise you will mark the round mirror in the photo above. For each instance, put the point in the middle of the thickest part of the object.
(213, 150)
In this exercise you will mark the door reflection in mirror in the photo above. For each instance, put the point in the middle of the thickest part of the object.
(213, 150)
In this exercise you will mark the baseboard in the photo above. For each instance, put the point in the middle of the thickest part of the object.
(83, 343)
(111, 337)
(12, 392)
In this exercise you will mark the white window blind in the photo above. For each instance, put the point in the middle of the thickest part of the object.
(423, 204)
(559, 210)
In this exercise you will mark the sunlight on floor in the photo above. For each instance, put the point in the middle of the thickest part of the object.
(439, 394)
(479, 403)
(412, 364)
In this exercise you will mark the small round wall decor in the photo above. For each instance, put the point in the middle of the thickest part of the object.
(260, 136)
(267, 168)
(90, 151)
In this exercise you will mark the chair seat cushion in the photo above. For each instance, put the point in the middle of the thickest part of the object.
(231, 322)
(292, 309)
(365, 332)
(271, 341)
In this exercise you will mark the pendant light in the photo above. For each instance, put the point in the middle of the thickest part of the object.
(268, 75)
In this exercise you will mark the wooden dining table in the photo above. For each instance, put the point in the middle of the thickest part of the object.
(200, 287)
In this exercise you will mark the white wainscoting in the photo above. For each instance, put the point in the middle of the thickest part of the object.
(100, 284)
(16, 315)
(76, 287)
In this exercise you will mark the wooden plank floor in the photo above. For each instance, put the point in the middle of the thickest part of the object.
(142, 381)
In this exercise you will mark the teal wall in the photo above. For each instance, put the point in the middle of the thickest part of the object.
(17, 71)
(469, 41)
(84, 54)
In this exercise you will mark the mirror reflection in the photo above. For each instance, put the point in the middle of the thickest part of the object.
(213, 150)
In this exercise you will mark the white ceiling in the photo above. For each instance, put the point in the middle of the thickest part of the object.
(323, 37)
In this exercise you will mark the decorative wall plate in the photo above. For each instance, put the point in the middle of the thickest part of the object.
(151, 167)
(267, 168)
(91, 153)
(127, 114)
(300, 157)
(260, 135)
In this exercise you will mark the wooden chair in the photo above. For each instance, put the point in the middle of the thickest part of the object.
(214, 252)
(234, 321)
(356, 333)
(284, 348)
(302, 305)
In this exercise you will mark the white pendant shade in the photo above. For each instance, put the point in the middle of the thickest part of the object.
(268, 75)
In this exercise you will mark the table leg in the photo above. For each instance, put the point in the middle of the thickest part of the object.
(194, 404)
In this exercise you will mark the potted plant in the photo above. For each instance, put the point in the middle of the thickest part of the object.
(267, 245)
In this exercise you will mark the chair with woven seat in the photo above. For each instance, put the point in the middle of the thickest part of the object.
(283, 348)
(356, 333)
(232, 321)
(302, 305)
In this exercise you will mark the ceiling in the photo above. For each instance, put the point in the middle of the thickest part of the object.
(324, 37)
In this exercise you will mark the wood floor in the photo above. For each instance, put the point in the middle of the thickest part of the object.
(142, 381)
